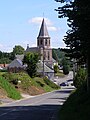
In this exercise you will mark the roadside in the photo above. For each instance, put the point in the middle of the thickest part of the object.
(58, 80)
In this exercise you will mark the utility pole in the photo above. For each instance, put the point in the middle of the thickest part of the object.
(43, 61)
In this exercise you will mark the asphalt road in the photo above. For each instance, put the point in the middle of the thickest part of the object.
(41, 107)
(59, 80)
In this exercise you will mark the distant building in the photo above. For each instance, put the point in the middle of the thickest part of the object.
(45, 51)
(16, 66)
(43, 44)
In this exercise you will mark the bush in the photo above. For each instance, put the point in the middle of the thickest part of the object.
(50, 83)
(65, 69)
(55, 68)
(80, 77)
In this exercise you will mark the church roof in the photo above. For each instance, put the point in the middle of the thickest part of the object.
(43, 30)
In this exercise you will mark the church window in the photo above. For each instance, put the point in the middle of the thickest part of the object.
(46, 42)
(49, 42)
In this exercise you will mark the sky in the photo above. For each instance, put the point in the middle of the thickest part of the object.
(20, 22)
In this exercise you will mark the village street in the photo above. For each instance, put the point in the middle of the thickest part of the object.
(40, 107)
(59, 80)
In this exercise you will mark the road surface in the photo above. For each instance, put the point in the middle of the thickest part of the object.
(40, 107)
(59, 80)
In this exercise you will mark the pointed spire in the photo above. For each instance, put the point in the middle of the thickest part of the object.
(43, 30)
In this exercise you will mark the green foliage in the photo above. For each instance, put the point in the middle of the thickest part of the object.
(77, 38)
(5, 60)
(18, 50)
(27, 83)
(58, 55)
(65, 69)
(55, 68)
(13, 78)
(77, 106)
(31, 60)
(11, 91)
(59, 74)
(65, 65)
(54, 54)
(5, 57)
(80, 77)
(50, 83)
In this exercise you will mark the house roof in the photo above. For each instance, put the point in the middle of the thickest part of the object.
(43, 30)
(16, 63)
(46, 68)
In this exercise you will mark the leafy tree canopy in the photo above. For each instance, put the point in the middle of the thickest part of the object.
(31, 60)
(78, 19)
(18, 50)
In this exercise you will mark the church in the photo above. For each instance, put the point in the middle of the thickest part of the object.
(43, 44)
(45, 51)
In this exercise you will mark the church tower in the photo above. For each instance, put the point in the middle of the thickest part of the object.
(43, 43)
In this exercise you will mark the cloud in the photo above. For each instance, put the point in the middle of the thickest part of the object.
(52, 28)
(38, 20)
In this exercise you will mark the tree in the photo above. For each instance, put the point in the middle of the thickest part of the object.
(54, 55)
(56, 68)
(18, 50)
(5, 60)
(31, 60)
(78, 37)
(65, 65)
(5, 57)
(80, 77)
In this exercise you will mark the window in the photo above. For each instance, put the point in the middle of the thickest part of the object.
(49, 42)
(46, 42)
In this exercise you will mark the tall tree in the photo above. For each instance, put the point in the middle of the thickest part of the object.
(78, 37)
(31, 60)
(54, 55)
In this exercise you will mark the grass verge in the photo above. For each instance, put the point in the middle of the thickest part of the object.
(11, 91)
(28, 85)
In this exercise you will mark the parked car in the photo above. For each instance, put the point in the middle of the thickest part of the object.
(64, 84)
(70, 82)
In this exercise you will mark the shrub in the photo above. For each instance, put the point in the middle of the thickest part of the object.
(65, 69)
(80, 77)
(55, 68)
(50, 83)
